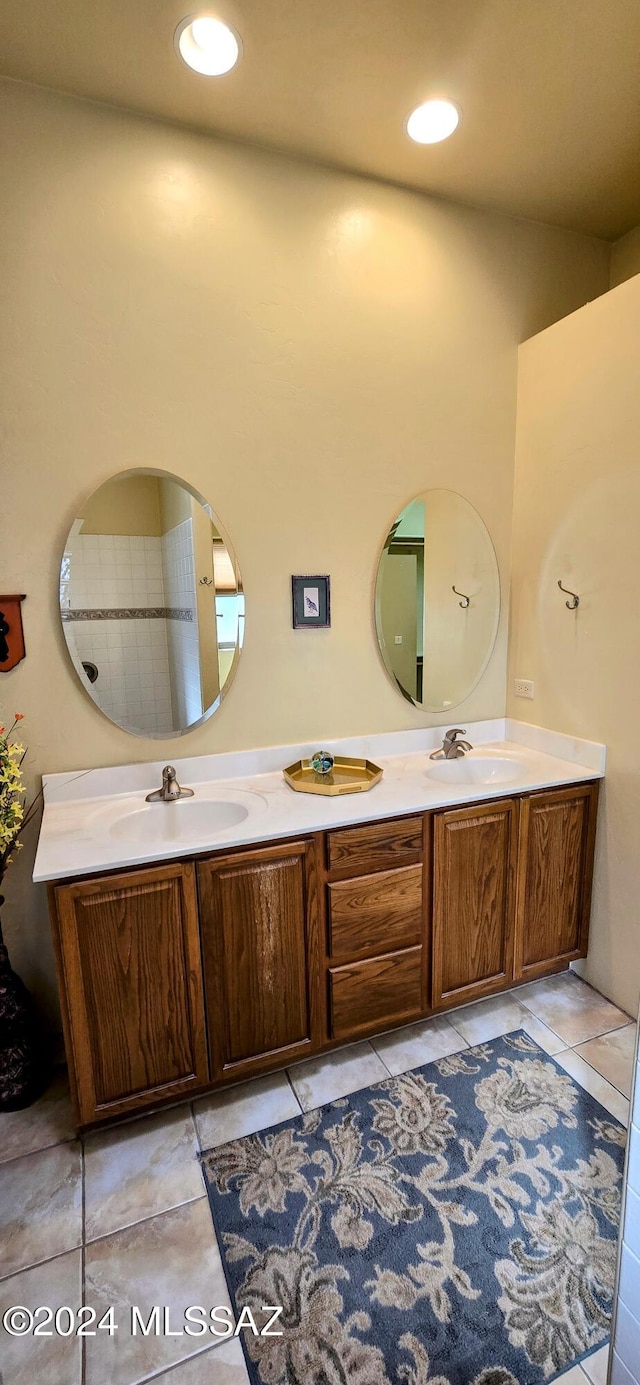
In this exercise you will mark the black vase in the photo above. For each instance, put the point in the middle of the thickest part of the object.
(23, 1071)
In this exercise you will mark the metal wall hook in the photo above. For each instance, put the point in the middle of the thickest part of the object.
(206, 582)
(466, 600)
(573, 604)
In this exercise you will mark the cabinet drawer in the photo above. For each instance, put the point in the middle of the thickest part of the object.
(374, 913)
(381, 991)
(375, 846)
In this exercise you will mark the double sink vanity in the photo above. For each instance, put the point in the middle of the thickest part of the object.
(228, 934)
(246, 926)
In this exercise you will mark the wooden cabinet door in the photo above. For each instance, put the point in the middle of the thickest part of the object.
(129, 954)
(555, 868)
(474, 901)
(259, 928)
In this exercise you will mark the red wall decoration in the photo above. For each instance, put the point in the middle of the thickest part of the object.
(11, 634)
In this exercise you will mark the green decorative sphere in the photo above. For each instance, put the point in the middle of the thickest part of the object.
(322, 762)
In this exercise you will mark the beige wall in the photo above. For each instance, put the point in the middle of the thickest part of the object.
(577, 517)
(176, 503)
(625, 257)
(457, 640)
(130, 506)
(307, 348)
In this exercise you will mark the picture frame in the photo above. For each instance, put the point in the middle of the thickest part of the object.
(311, 602)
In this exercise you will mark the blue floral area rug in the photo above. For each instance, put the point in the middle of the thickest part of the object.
(456, 1225)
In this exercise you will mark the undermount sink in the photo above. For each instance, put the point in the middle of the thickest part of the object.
(476, 769)
(188, 820)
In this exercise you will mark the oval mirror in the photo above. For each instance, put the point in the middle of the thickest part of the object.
(437, 600)
(152, 604)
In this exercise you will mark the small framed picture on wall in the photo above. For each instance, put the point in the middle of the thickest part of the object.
(311, 602)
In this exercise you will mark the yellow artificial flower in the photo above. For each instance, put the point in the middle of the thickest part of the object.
(11, 794)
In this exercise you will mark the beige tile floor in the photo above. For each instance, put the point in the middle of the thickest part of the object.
(121, 1217)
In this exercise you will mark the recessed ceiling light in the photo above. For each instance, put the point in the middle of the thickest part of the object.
(207, 45)
(433, 121)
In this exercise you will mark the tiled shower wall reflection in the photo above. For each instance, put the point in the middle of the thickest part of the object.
(133, 670)
(118, 573)
(115, 571)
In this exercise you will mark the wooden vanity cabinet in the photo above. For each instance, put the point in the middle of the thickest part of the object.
(190, 975)
(128, 951)
(474, 900)
(260, 948)
(555, 868)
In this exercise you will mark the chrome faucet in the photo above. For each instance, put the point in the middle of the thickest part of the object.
(452, 748)
(170, 791)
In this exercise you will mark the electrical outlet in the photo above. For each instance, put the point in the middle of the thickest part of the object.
(523, 687)
(397, 639)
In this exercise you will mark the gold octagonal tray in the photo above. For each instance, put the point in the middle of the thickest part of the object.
(347, 776)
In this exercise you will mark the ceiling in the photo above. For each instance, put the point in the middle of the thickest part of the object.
(549, 89)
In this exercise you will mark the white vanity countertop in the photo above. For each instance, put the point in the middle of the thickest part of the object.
(82, 828)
